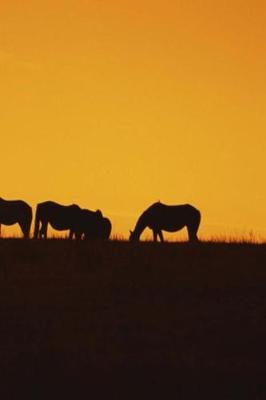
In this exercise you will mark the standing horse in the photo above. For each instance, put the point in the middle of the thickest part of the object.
(58, 216)
(16, 211)
(92, 225)
(160, 217)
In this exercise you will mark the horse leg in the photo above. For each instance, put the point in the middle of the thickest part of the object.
(43, 230)
(37, 232)
(26, 232)
(192, 233)
(73, 234)
(161, 236)
(24, 226)
(78, 235)
(155, 235)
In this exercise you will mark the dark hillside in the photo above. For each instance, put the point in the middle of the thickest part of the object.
(132, 320)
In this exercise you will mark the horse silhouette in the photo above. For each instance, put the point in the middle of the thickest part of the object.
(16, 211)
(60, 217)
(172, 218)
(106, 228)
(92, 225)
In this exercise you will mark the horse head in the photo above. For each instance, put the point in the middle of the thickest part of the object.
(133, 237)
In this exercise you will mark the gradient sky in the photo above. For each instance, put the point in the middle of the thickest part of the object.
(117, 104)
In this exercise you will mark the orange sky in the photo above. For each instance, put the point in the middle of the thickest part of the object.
(117, 104)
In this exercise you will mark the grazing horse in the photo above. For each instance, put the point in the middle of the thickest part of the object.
(58, 216)
(160, 217)
(92, 225)
(16, 211)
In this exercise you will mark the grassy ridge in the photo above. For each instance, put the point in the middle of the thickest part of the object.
(77, 314)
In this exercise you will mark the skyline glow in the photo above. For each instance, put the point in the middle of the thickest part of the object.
(115, 105)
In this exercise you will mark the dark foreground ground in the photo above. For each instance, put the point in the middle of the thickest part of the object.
(125, 320)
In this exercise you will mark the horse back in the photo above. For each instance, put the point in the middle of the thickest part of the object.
(59, 216)
(12, 211)
(170, 217)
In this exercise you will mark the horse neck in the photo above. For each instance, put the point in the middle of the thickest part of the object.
(140, 226)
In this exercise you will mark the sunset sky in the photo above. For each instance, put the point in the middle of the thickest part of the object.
(116, 104)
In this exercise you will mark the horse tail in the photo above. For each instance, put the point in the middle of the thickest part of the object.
(37, 221)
